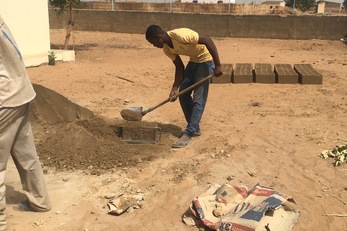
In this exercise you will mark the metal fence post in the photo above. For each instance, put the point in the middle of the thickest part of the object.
(229, 8)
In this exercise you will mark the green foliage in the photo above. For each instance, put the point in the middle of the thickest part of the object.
(51, 58)
(344, 4)
(302, 5)
(64, 5)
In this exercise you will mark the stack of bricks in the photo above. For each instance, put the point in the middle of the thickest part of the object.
(264, 73)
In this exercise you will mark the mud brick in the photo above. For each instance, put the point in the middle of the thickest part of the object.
(141, 135)
(227, 73)
(285, 74)
(263, 73)
(243, 73)
(307, 74)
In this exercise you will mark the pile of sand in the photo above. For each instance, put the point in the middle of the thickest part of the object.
(71, 137)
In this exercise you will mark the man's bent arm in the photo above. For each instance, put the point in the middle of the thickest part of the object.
(207, 41)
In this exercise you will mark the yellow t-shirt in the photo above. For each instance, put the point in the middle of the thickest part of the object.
(185, 42)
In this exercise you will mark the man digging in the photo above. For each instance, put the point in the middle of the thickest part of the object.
(204, 61)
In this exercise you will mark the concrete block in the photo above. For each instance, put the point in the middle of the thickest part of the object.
(141, 135)
(263, 73)
(38, 59)
(307, 74)
(285, 74)
(243, 73)
(227, 73)
(64, 55)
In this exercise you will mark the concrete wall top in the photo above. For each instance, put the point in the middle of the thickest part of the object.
(217, 25)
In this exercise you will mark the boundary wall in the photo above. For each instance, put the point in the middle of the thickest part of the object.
(214, 25)
(177, 7)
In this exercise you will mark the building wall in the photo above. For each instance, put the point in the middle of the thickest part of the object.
(218, 25)
(29, 24)
(321, 7)
(274, 3)
(326, 7)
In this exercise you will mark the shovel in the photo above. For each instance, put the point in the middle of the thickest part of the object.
(136, 113)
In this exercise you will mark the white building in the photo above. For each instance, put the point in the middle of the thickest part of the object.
(275, 3)
(210, 1)
(29, 24)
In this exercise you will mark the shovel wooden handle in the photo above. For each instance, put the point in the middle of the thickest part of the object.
(178, 94)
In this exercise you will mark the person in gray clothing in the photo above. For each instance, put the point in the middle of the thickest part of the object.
(16, 138)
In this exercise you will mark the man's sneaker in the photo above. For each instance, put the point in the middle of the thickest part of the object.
(23, 206)
(198, 133)
(182, 142)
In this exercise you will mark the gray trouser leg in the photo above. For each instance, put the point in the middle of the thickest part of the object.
(16, 138)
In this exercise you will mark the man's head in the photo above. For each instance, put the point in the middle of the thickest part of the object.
(154, 35)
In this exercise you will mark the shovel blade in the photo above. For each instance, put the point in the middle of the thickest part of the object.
(132, 114)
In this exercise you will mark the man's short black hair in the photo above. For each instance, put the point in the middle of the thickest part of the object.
(153, 31)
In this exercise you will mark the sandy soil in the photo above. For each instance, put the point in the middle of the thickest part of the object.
(270, 134)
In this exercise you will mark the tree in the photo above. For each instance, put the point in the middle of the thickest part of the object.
(66, 5)
(344, 4)
(302, 5)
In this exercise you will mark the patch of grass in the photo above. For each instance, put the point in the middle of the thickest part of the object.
(51, 58)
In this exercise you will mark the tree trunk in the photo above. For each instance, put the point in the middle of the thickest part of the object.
(69, 28)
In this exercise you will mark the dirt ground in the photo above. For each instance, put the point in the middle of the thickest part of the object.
(271, 134)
